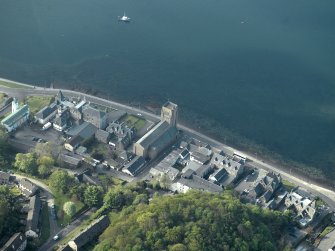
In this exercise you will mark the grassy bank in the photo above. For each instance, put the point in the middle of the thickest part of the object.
(36, 103)
(14, 85)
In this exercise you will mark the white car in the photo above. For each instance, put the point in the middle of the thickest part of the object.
(55, 238)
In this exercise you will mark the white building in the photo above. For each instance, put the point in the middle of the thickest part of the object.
(18, 116)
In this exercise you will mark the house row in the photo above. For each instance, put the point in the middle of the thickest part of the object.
(18, 242)
(32, 229)
(89, 233)
(27, 188)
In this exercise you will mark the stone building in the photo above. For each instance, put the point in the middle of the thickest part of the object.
(160, 136)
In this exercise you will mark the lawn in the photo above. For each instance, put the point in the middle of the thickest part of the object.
(13, 85)
(326, 231)
(288, 185)
(2, 97)
(36, 103)
(134, 121)
(60, 199)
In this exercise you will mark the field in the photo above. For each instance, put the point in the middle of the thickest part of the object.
(13, 85)
(36, 103)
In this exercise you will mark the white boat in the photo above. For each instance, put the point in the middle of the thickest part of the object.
(124, 18)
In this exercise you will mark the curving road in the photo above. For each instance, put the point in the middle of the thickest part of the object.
(326, 194)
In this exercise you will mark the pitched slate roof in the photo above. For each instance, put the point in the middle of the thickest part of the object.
(92, 112)
(33, 214)
(102, 135)
(46, 111)
(27, 184)
(93, 230)
(11, 119)
(85, 130)
(70, 160)
(155, 133)
(135, 165)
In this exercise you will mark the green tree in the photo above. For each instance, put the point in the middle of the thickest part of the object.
(92, 196)
(45, 164)
(61, 181)
(46, 160)
(165, 181)
(69, 208)
(50, 149)
(26, 162)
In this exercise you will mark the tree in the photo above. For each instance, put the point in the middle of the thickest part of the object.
(26, 162)
(165, 181)
(46, 160)
(43, 170)
(69, 208)
(45, 164)
(61, 181)
(50, 149)
(92, 196)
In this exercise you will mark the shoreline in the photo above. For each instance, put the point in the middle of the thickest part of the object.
(297, 178)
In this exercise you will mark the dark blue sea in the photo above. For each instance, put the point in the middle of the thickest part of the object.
(259, 74)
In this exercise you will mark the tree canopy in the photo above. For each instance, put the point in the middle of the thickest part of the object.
(26, 162)
(69, 208)
(92, 196)
(9, 211)
(193, 221)
(61, 181)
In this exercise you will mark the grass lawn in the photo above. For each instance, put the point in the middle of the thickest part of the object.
(288, 185)
(60, 199)
(36, 103)
(13, 85)
(45, 226)
(2, 97)
(134, 121)
(326, 231)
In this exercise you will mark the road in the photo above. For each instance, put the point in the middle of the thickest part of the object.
(325, 193)
(50, 243)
